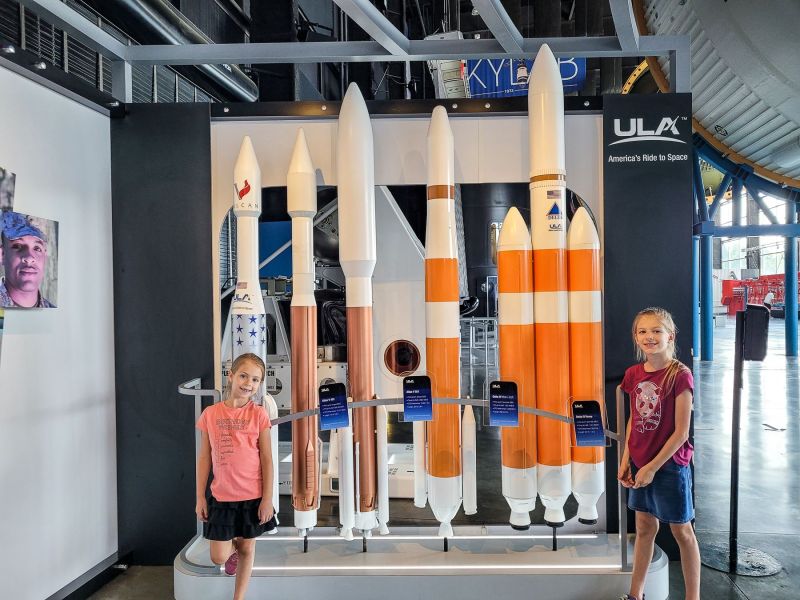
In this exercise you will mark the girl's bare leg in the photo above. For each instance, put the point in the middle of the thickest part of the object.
(221, 551)
(247, 555)
(690, 558)
(646, 530)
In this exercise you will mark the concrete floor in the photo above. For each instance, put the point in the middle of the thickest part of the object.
(769, 477)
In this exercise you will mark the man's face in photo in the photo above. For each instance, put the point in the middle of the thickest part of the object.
(25, 262)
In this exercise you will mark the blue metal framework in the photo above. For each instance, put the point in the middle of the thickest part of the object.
(740, 177)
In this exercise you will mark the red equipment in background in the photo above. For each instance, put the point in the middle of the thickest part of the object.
(733, 291)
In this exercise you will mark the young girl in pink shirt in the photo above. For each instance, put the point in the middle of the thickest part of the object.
(235, 443)
(655, 462)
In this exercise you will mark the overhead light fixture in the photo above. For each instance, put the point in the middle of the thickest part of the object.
(788, 155)
(7, 49)
(475, 12)
(39, 65)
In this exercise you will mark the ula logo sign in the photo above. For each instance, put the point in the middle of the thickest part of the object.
(635, 131)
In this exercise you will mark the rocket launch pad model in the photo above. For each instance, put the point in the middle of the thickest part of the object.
(548, 225)
(357, 256)
(248, 329)
(302, 207)
(515, 317)
(444, 464)
(586, 354)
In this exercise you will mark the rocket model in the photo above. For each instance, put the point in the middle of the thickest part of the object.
(302, 206)
(586, 353)
(550, 306)
(248, 329)
(515, 317)
(357, 256)
(442, 326)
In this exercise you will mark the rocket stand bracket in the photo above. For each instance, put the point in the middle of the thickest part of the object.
(751, 344)
(445, 545)
(192, 388)
(305, 544)
(555, 539)
(363, 542)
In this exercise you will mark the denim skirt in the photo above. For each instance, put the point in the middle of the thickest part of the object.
(669, 497)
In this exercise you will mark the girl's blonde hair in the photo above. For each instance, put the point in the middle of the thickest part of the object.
(665, 318)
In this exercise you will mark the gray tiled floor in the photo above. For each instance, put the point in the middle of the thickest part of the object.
(769, 477)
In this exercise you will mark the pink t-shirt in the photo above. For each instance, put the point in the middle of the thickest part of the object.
(235, 459)
(653, 413)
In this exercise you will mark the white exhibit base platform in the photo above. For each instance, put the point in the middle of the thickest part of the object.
(481, 563)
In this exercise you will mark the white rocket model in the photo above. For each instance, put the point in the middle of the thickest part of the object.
(445, 463)
(550, 304)
(357, 256)
(248, 329)
(301, 188)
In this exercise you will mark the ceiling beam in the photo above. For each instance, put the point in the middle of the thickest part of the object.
(77, 26)
(370, 51)
(377, 26)
(625, 24)
(500, 24)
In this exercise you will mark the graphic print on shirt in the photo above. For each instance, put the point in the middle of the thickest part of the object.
(648, 407)
(224, 446)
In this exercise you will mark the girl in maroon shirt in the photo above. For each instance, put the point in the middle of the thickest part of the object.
(655, 462)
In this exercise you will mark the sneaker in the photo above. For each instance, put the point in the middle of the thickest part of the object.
(627, 597)
(232, 563)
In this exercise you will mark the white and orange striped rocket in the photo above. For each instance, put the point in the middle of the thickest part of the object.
(550, 306)
(586, 354)
(515, 318)
(301, 189)
(443, 458)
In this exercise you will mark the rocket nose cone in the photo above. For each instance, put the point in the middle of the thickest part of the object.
(247, 156)
(301, 158)
(353, 103)
(545, 73)
(514, 233)
(582, 233)
(439, 124)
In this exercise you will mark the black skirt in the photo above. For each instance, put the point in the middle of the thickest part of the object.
(227, 520)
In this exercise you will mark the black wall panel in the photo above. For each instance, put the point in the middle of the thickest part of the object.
(161, 185)
(648, 215)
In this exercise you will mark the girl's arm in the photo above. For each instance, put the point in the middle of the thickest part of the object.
(683, 416)
(265, 509)
(203, 471)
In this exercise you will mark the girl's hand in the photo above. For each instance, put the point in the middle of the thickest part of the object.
(624, 475)
(265, 511)
(644, 476)
(201, 509)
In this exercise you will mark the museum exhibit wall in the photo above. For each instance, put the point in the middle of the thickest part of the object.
(163, 319)
(57, 430)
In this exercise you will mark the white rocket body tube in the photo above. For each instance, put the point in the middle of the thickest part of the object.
(469, 459)
(347, 494)
(247, 330)
(420, 480)
(381, 420)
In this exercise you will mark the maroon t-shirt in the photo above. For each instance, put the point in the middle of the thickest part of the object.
(653, 413)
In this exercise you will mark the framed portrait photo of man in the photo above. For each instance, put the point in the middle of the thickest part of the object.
(28, 261)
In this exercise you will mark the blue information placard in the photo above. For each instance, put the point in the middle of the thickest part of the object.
(503, 404)
(501, 77)
(588, 423)
(417, 401)
(333, 411)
